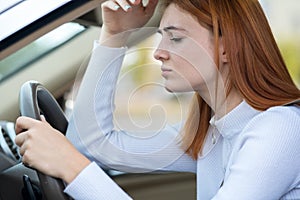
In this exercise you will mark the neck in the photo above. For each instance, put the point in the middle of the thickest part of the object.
(220, 103)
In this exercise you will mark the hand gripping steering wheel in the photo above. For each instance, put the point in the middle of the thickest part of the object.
(34, 100)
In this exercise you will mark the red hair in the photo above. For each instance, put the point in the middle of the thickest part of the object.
(256, 67)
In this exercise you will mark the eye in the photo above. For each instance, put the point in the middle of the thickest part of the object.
(176, 39)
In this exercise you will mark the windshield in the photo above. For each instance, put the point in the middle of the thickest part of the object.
(13, 17)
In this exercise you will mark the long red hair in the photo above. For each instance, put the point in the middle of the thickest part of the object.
(256, 67)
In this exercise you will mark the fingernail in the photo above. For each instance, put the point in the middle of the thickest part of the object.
(132, 1)
(127, 7)
(116, 7)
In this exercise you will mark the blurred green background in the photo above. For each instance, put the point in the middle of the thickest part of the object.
(291, 53)
(284, 19)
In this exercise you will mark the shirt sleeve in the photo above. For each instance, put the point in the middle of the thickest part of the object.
(92, 183)
(267, 160)
(91, 128)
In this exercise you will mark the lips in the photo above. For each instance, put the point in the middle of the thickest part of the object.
(165, 71)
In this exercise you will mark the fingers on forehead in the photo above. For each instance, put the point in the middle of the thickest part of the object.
(116, 4)
(112, 5)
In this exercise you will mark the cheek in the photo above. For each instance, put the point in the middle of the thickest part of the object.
(195, 71)
(193, 64)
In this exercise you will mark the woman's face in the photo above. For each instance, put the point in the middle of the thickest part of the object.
(186, 52)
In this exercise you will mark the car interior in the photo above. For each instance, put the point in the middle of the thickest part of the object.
(41, 58)
(44, 50)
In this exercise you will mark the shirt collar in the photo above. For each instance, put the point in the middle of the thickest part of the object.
(234, 121)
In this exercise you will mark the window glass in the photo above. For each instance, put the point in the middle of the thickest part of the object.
(38, 48)
(16, 14)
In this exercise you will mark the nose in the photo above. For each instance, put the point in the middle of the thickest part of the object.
(161, 54)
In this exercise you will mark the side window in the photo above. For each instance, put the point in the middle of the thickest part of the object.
(38, 48)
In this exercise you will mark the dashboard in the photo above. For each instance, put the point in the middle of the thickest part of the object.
(12, 171)
(7, 144)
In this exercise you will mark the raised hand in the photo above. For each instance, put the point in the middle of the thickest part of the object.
(120, 16)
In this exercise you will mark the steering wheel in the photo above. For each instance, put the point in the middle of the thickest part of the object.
(34, 100)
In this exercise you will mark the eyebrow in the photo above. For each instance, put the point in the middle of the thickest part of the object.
(170, 28)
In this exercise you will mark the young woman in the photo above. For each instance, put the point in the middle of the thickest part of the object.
(242, 135)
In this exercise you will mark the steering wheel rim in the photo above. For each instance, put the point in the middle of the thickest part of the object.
(33, 99)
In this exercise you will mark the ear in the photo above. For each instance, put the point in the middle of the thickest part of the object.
(222, 52)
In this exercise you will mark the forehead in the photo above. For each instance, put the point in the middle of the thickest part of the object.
(175, 16)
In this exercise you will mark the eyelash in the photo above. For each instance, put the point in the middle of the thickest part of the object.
(176, 39)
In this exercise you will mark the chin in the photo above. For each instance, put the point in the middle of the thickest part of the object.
(177, 90)
(169, 90)
(178, 87)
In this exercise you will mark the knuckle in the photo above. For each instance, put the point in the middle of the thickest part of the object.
(19, 120)
(30, 135)
(22, 150)
(17, 141)
(26, 158)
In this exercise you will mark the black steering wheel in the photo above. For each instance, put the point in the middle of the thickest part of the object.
(34, 100)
